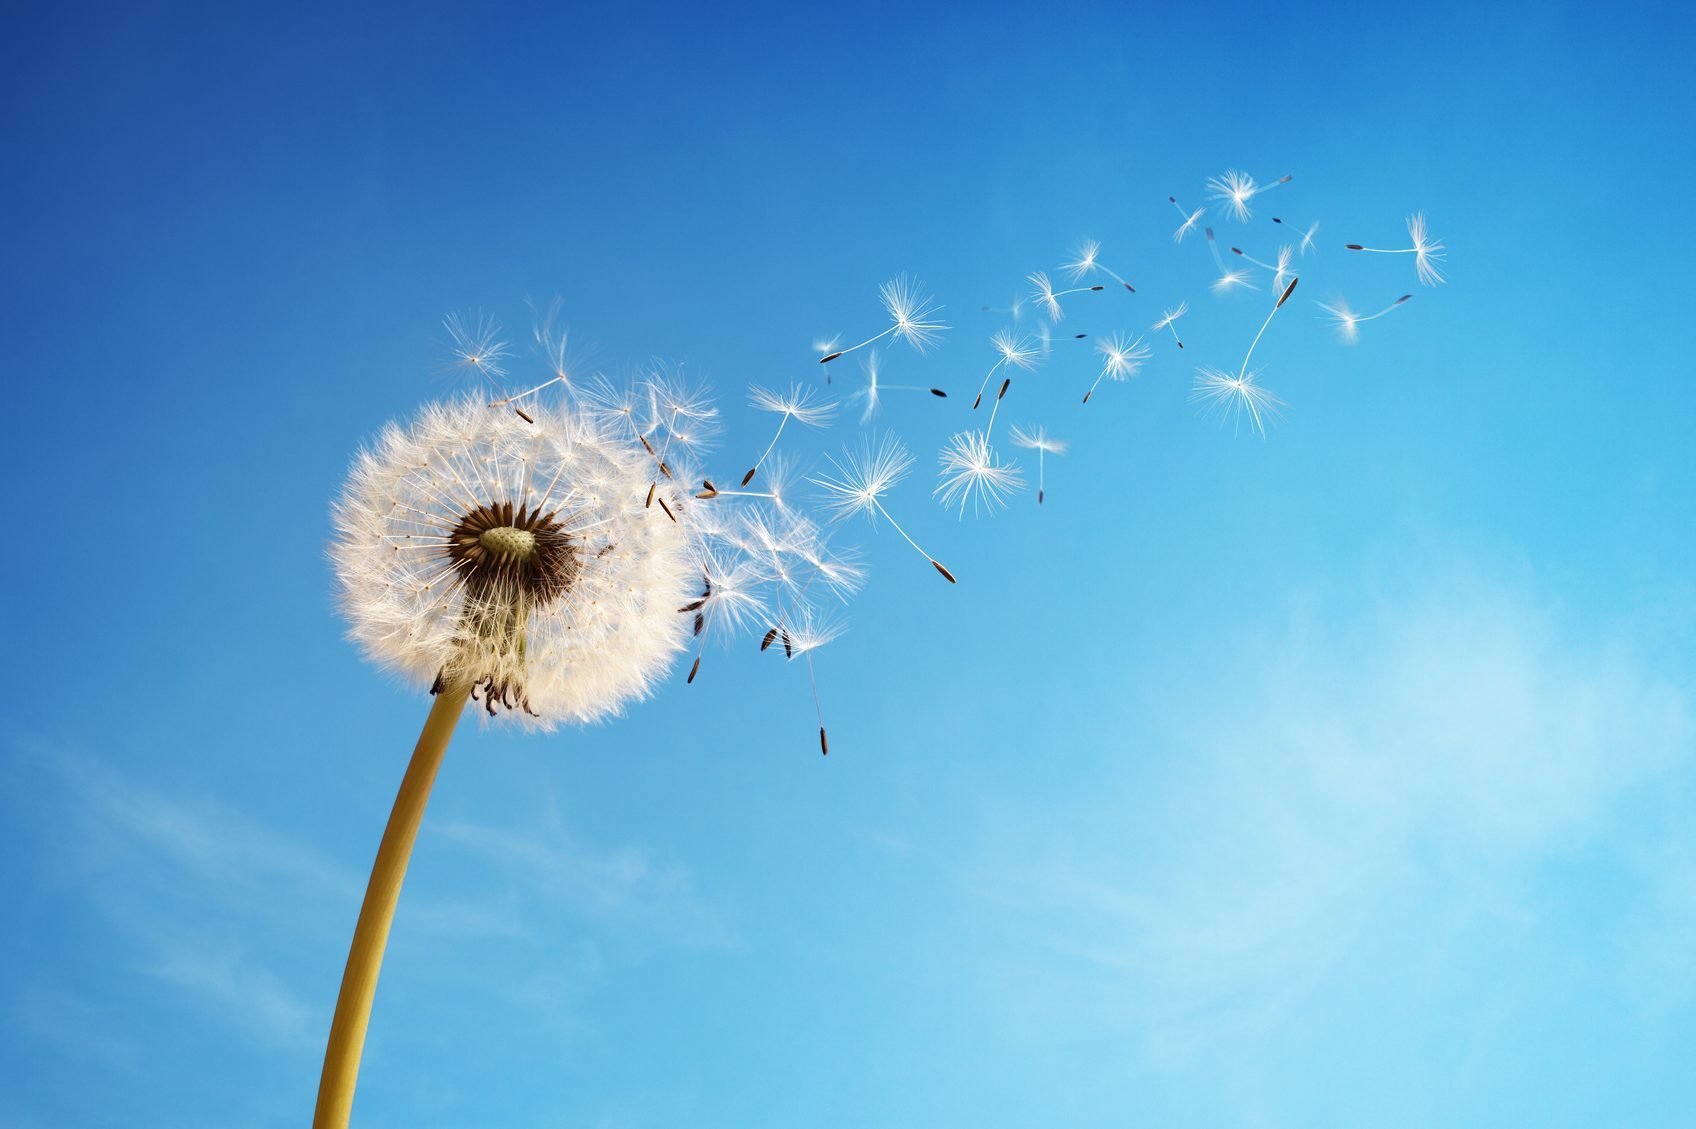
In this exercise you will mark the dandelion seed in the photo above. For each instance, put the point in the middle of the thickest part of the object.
(862, 479)
(476, 345)
(909, 307)
(1307, 243)
(1167, 317)
(1049, 299)
(799, 405)
(1348, 322)
(1282, 271)
(1038, 440)
(871, 395)
(1190, 220)
(1046, 339)
(824, 347)
(1020, 351)
(1121, 359)
(1235, 189)
(1228, 279)
(1088, 262)
(1427, 252)
(971, 474)
(1234, 396)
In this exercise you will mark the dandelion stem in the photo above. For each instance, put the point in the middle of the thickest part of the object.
(376, 914)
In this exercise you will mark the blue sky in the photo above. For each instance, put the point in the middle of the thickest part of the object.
(1339, 778)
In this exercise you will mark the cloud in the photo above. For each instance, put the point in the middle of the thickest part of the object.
(1443, 746)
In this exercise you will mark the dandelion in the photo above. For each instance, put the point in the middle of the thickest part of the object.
(1282, 271)
(1167, 317)
(1228, 279)
(799, 405)
(1020, 351)
(1120, 360)
(1190, 219)
(871, 395)
(860, 481)
(1426, 252)
(1239, 395)
(487, 556)
(1046, 296)
(824, 346)
(971, 475)
(1348, 322)
(1307, 243)
(1088, 262)
(910, 307)
(1038, 440)
(1235, 189)
(475, 345)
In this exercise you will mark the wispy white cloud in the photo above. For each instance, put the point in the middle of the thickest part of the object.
(1450, 742)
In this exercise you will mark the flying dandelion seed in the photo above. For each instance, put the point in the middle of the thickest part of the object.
(475, 345)
(1307, 243)
(860, 482)
(1190, 219)
(799, 404)
(1089, 261)
(1168, 317)
(1348, 323)
(1018, 350)
(1014, 309)
(1038, 440)
(1229, 279)
(1121, 359)
(1235, 189)
(972, 476)
(1049, 299)
(1236, 396)
(824, 347)
(909, 307)
(1282, 271)
(871, 394)
(1046, 339)
(1427, 252)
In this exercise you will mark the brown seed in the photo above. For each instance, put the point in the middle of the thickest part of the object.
(1131, 288)
(824, 742)
(1003, 391)
(946, 575)
(694, 669)
(788, 646)
(770, 635)
(1098, 288)
(649, 446)
(832, 356)
(523, 415)
(667, 509)
(939, 392)
(664, 469)
(700, 622)
(652, 486)
(1288, 290)
(1088, 394)
(978, 401)
(1354, 247)
(749, 477)
(1039, 497)
(708, 483)
(694, 607)
(706, 494)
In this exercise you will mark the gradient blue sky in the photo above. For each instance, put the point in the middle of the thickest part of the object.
(1340, 779)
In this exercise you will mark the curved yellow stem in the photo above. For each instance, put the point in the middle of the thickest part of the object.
(371, 935)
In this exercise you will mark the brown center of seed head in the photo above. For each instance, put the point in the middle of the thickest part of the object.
(501, 548)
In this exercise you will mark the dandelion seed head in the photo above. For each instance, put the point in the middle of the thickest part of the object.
(475, 345)
(1427, 252)
(1233, 191)
(860, 478)
(1044, 295)
(1347, 322)
(801, 403)
(474, 546)
(1169, 315)
(1232, 280)
(1085, 261)
(1016, 349)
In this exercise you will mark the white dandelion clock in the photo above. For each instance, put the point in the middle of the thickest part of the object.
(971, 475)
(1235, 397)
(475, 345)
(515, 559)
(1037, 439)
(1426, 251)
(483, 554)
